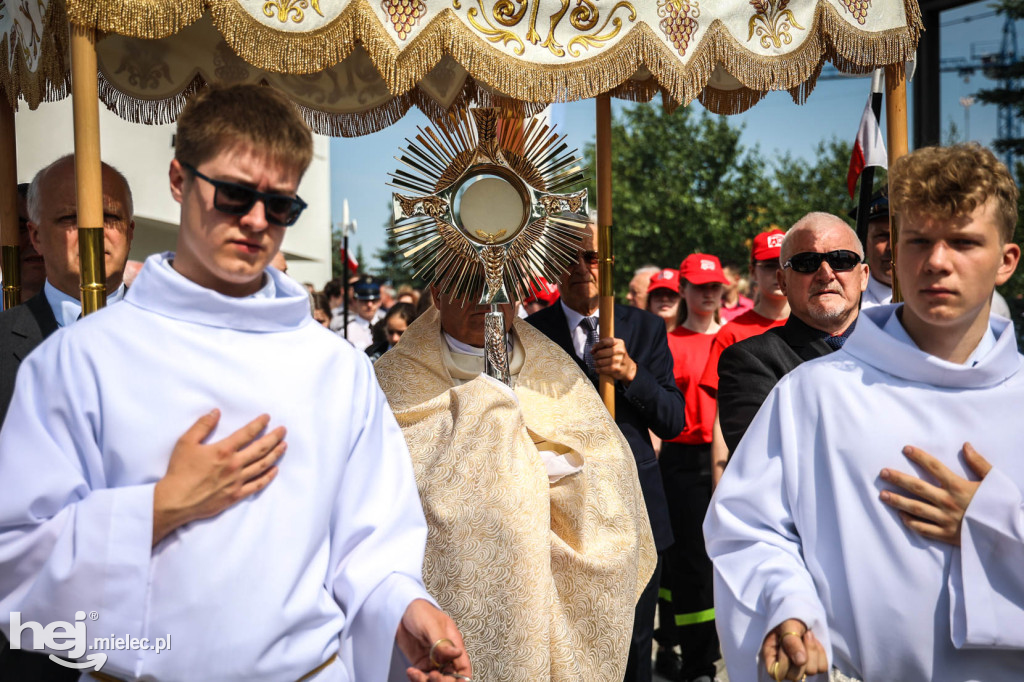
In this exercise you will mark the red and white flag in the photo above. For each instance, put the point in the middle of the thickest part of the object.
(353, 264)
(868, 150)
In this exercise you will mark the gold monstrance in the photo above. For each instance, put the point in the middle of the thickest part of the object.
(487, 216)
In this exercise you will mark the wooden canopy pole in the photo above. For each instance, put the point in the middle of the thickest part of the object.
(88, 169)
(606, 258)
(9, 205)
(896, 135)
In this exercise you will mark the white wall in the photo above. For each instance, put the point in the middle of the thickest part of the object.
(143, 153)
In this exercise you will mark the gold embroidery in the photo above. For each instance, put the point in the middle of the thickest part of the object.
(404, 14)
(493, 33)
(597, 39)
(549, 572)
(772, 22)
(858, 8)
(679, 22)
(285, 9)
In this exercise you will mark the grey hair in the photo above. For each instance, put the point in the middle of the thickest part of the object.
(814, 221)
(35, 201)
(645, 269)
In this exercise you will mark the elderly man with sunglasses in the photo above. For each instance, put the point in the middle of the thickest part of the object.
(249, 564)
(822, 276)
(855, 534)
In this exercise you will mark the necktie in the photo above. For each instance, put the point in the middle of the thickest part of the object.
(836, 342)
(589, 325)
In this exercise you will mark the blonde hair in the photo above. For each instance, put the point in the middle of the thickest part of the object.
(949, 182)
(220, 118)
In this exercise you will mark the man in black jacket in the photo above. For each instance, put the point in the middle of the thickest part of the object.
(646, 399)
(53, 230)
(822, 276)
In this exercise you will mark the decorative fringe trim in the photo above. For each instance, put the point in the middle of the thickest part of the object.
(152, 19)
(147, 112)
(51, 81)
(830, 37)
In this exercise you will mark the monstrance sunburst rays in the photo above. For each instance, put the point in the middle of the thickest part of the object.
(486, 207)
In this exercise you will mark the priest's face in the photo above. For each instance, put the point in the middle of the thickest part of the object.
(825, 299)
(464, 321)
(222, 251)
(948, 267)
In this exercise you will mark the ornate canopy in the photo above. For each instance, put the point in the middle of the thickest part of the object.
(356, 66)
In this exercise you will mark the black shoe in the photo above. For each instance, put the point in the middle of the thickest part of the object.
(668, 663)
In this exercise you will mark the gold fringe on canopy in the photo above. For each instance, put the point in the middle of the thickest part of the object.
(51, 81)
(680, 71)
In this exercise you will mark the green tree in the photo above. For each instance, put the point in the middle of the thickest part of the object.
(819, 185)
(681, 183)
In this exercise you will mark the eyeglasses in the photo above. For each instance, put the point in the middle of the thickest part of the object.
(588, 257)
(235, 199)
(840, 260)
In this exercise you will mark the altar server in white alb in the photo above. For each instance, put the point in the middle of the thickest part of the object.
(259, 565)
(870, 524)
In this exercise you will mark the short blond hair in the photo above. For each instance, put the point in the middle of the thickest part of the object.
(949, 182)
(220, 118)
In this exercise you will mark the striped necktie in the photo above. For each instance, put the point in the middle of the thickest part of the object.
(589, 325)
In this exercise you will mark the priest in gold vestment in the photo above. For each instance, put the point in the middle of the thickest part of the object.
(539, 543)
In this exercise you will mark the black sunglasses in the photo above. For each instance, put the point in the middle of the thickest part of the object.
(808, 262)
(235, 199)
(588, 257)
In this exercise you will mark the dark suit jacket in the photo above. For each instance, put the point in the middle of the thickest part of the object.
(22, 328)
(749, 370)
(652, 400)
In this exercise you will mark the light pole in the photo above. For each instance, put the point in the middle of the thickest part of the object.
(966, 103)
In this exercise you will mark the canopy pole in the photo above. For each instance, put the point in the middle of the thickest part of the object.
(606, 258)
(88, 168)
(896, 135)
(9, 241)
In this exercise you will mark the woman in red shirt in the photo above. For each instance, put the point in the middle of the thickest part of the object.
(686, 464)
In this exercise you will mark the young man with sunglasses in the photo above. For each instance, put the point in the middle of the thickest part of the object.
(822, 276)
(855, 533)
(254, 565)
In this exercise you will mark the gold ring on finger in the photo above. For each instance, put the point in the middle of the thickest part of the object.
(786, 634)
(433, 648)
(775, 671)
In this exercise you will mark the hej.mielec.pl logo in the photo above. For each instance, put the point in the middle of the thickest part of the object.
(58, 636)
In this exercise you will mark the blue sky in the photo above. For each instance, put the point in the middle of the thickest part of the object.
(359, 166)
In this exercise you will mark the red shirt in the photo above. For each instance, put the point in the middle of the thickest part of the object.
(743, 304)
(743, 327)
(689, 355)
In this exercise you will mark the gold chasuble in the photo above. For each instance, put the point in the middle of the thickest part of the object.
(541, 577)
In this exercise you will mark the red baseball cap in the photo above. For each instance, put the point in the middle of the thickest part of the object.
(702, 268)
(546, 292)
(768, 245)
(666, 279)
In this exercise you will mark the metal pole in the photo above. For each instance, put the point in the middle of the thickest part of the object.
(9, 205)
(606, 258)
(344, 269)
(88, 169)
(896, 129)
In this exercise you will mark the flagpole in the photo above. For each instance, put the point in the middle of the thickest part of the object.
(896, 128)
(867, 178)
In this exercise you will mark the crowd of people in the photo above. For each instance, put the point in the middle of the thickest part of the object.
(798, 474)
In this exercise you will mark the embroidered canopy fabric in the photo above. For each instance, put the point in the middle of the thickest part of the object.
(356, 66)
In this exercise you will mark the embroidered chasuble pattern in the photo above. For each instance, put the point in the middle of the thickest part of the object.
(541, 578)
